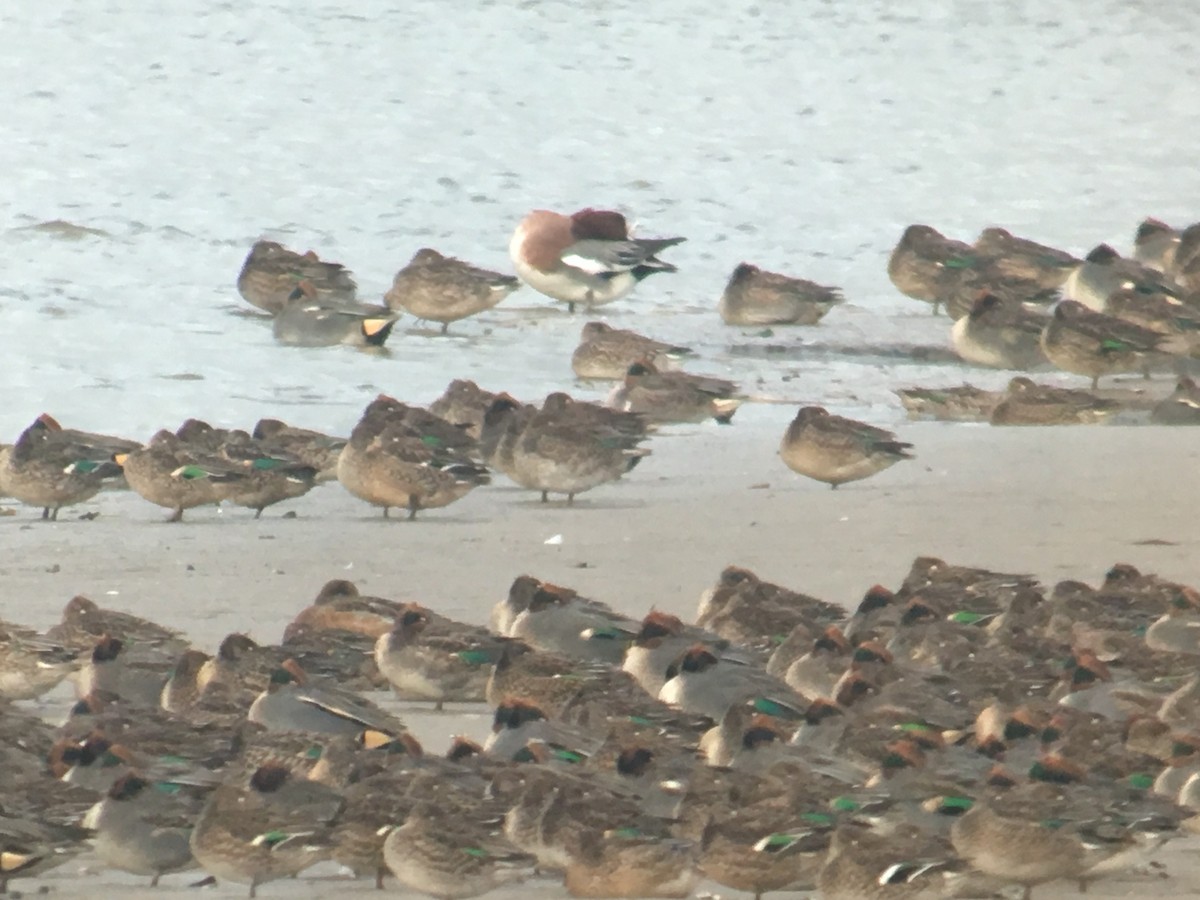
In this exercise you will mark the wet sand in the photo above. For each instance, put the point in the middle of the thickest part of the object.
(1055, 502)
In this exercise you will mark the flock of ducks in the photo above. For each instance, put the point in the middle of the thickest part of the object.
(968, 732)
(1110, 315)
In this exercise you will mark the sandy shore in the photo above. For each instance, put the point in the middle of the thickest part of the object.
(1058, 503)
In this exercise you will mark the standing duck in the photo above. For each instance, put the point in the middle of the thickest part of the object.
(271, 825)
(389, 463)
(836, 450)
(589, 257)
(569, 447)
(1083, 342)
(47, 467)
(443, 289)
(168, 473)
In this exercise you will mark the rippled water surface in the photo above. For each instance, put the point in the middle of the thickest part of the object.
(143, 153)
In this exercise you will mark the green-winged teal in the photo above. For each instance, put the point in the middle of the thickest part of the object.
(424, 663)
(144, 828)
(1016, 257)
(700, 682)
(1028, 403)
(624, 862)
(390, 463)
(292, 702)
(271, 273)
(464, 403)
(31, 665)
(1083, 342)
(272, 825)
(588, 258)
(836, 450)
(606, 353)
(1154, 244)
(443, 289)
(754, 296)
(672, 397)
(1003, 334)
(920, 261)
(1182, 407)
(952, 404)
(450, 858)
(311, 448)
(170, 474)
(43, 470)
(569, 447)
(1103, 271)
(308, 320)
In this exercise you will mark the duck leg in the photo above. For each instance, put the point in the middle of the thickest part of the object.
(177, 515)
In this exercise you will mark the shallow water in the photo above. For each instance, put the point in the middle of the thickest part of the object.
(800, 136)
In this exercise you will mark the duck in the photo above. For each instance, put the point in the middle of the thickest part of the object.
(170, 474)
(340, 606)
(657, 644)
(919, 264)
(907, 865)
(268, 826)
(32, 844)
(269, 479)
(1104, 271)
(965, 403)
(452, 858)
(606, 353)
(83, 622)
(503, 424)
(837, 450)
(30, 664)
(1000, 334)
(1159, 312)
(675, 397)
(1154, 244)
(1182, 407)
(1084, 342)
(43, 470)
(1031, 261)
(311, 448)
(589, 257)
(1178, 629)
(1028, 403)
(743, 608)
(134, 674)
(569, 447)
(143, 828)
(426, 663)
(754, 296)
(625, 862)
(309, 320)
(390, 464)
(271, 273)
(443, 289)
(558, 620)
(464, 404)
(701, 682)
(292, 702)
